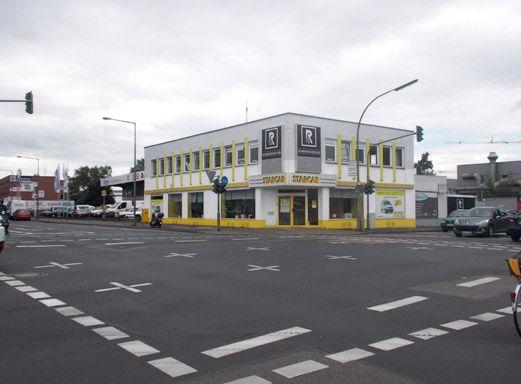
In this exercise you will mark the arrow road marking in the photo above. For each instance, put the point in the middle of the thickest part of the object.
(173, 254)
(274, 268)
(266, 249)
(131, 288)
(331, 257)
(53, 264)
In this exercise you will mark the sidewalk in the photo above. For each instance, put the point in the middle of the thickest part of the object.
(237, 231)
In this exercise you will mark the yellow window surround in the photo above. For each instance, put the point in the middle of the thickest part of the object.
(246, 158)
(200, 165)
(381, 159)
(339, 157)
(191, 166)
(233, 160)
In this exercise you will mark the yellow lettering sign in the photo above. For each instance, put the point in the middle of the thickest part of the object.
(297, 179)
(274, 180)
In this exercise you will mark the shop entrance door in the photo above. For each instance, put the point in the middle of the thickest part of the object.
(292, 210)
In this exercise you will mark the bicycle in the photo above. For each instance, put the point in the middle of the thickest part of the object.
(515, 296)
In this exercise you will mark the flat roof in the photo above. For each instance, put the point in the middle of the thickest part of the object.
(271, 117)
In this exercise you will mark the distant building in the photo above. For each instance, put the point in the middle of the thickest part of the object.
(12, 189)
(126, 186)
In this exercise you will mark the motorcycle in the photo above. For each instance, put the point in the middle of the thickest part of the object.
(4, 221)
(156, 220)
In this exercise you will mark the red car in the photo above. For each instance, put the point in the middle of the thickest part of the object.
(22, 214)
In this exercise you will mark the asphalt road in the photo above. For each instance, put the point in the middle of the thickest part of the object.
(88, 304)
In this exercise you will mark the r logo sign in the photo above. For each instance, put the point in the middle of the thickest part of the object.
(308, 141)
(271, 143)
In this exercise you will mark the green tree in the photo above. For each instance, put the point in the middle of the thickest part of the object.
(85, 188)
(424, 166)
(140, 165)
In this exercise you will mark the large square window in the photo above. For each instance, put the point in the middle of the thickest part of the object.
(196, 205)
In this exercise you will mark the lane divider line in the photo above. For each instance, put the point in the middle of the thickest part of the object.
(138, 348)
(397, 304)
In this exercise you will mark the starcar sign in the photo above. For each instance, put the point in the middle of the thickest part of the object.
(294, 179)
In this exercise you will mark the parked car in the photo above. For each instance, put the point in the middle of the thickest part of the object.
(448, 222)
(485, 221)
(2, 238)
(83, 210)
(129, 214)
(21, 214)
(58, 211)
(514, 227)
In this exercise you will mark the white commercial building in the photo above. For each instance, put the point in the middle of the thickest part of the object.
(284, 170)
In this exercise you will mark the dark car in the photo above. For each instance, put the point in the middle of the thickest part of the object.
(482, 221)
(448, 222)
(514, 227)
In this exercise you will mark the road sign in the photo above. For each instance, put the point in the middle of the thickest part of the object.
(224, 181)
(211, 175)
(103, 192)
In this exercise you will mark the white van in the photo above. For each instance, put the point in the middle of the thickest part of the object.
(121, 206)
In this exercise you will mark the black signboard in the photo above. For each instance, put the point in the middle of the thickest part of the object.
(271, 143)
(308, 141)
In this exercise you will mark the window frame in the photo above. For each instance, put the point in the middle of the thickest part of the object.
(345, 144)
(402, 150)
(217, 158)
(331, 143)
(206, 164)
(251, 146)
(177, 165)
(186, 167)
(389, 148)
(228, 151)
(195, 161)
(238, 148)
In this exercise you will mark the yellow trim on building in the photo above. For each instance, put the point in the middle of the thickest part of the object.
(181, 171)
(200, 165)
(172, 167)
(191, 166)
(381, 159)
(246, 158)
(233, 160)
(339, 157)
(394, 160)
(157, 173)
(210, 162)
(243, 184)
(237, 223)
(377, 185)
(164, 170)
(354, 151)
(221, 155)
(395, 223)
(368, 158)
(337, 224)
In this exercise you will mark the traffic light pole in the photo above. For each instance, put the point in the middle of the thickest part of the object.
(219, 212)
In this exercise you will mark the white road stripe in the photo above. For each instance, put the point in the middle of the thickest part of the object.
(110, 333)
(473, 283)
(428, 333)
(488, 316)
(255, 342)
(87, 321)
(189, 241)
(126, 243)
(459, 324)
(250, 380)
(390, 344)
(397, 304)
(52, 302)
(6, 278)
(245, 238)
(299, 369)
(68, 311)
(507, 310)
(14, 283)
(41, 246)
(172, 367)
(138, 348)
(26, 288)
(350, 355)
(38, 295)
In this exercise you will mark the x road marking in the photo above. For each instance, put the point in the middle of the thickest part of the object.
(274, 268)
(331, 257)
(173, 254)
(131, 288)
(53, 264)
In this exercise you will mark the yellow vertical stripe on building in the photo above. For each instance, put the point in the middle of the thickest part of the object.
(172, 167)
(233, 160)
(210, 163)
(339, 156)
(164, 170)
(354, 151)
(381, 159)
(200, 165)
(190, 169)
(393, 150)
(181, 171)
(246, 159)
(221, 155)
(157, 173)
(368, 158)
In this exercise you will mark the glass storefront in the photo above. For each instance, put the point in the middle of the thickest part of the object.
(196, 205)
(342, 203)
(239, 204)
(175, 205)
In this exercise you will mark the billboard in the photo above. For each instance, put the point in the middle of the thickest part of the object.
(390, 204)
(308, 141)
(271, 143)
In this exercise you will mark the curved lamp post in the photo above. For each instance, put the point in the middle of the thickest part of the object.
(360, 203)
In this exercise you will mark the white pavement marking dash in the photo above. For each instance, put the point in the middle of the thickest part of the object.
(6, 278)
(110, 333)
(488, 316)
(68, 311)
(250, 380)
(126, 243)
(41, 246)
(428, 333)
(473, 283)
(507, 310)
(38, 295)
(26, 288)
(350, 355)
(245, 238)
(390, 344)
(265, 249)
(189, 241)
(87, 321)
(138, 348)
(14, 283)
(84, 239)
(255, 342)
(52, 302)
(298, 369)
(459, 324)
(172, 367)
(397, 304)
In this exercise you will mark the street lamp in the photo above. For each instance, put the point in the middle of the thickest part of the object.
(360, 203)
(135, 188)
(37, 182)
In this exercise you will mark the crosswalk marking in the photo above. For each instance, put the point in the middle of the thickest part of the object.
(250, 380)
(87, 321)
(299, 369)
(255, 342)
(507, 310)
(350, 355)
(138, 348)
(14, 283)
(397, 304)
(68, 311)
(392, 343)
(172, 367)
(428, 333)
(474, 283)
(110, 333)
(52, 302)
(38, 295)
(26, 288)
(488, 316)
(459, 324)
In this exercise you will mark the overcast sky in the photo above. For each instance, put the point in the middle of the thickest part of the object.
(182, 67)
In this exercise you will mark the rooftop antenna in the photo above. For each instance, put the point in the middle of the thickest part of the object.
(246, 110)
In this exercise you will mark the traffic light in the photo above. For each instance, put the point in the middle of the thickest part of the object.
(29, 103)
(369, 187)
(419, 133)
(219, 186)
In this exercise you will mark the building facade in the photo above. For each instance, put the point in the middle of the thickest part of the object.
(284, 170)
